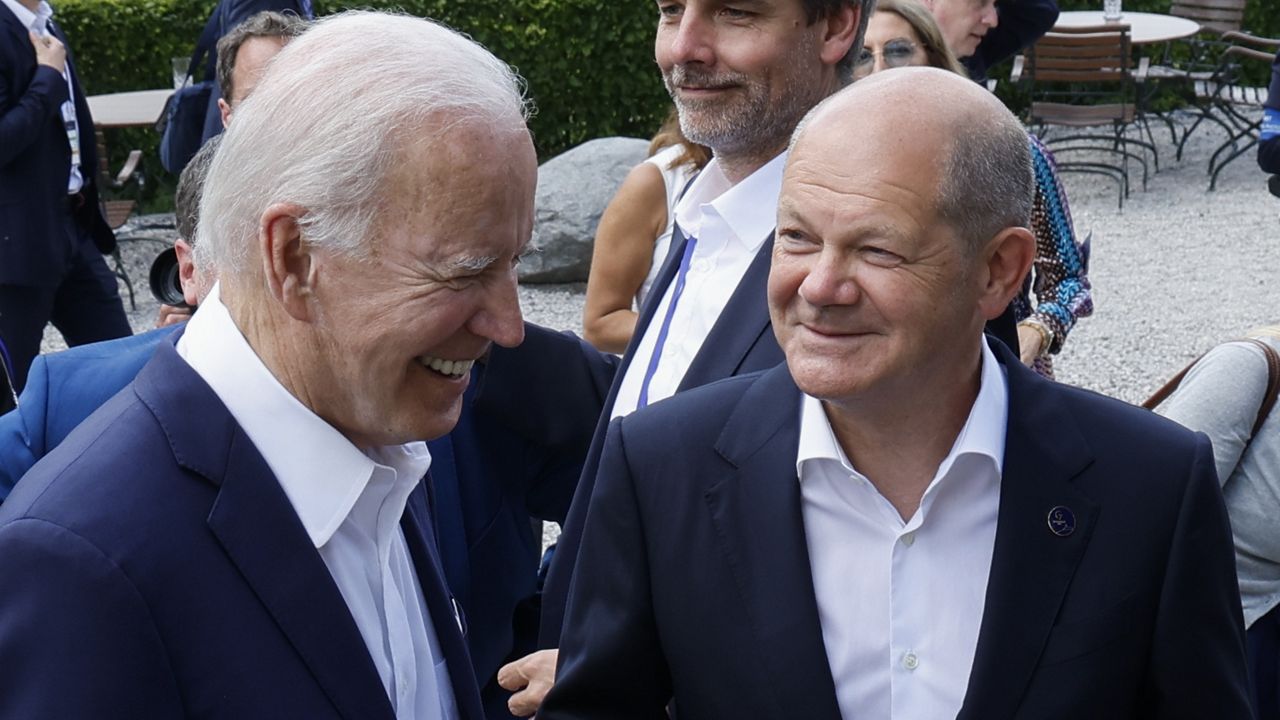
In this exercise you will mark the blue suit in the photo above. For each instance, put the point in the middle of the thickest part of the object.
(154, 568)
(489, 481)
(694, 578)
(62, 390)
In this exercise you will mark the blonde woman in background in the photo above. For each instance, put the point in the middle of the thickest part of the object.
(635, 235)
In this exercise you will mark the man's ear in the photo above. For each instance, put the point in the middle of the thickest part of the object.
(187, 271)
(1005, 261)
(225, 110)
(287, 262)
(840, 29)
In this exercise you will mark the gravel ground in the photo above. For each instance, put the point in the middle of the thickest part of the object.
(1178, 269)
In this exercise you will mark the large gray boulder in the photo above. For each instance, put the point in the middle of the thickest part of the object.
(573, 189)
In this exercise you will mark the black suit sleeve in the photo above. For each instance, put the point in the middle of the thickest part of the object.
(1022, 22)
(26, 118)
(611, 665)
(76, 638)
(1198, 667)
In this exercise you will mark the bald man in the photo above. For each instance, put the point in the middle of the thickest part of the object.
(902, 521)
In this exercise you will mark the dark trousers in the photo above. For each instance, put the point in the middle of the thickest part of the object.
(1264, 665)
(85, 306)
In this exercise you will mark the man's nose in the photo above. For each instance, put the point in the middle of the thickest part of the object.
(500, 319)
(830, 281)
(692, 40)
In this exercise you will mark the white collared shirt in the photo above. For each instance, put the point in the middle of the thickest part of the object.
(349, 502)
(730, 222)
(38, 22)
(901, 602)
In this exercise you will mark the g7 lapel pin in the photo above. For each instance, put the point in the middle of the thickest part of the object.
(1062, 522)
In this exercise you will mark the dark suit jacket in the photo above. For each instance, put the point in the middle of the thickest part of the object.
(544, 372)
(489, 482)
(741, 341)
(694, 577)
(153, 568)
(1022, 22)
(35, 161)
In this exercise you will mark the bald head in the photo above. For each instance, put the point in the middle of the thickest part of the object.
(941, 124)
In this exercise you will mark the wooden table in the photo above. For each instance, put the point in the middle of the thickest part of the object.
(140, 108)
(1144, 28)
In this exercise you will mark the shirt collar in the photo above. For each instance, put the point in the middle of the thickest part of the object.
(983, 433)
(750, 208)
(321, 472)
(34, 21)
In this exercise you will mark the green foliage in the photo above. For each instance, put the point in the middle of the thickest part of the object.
(589, 63)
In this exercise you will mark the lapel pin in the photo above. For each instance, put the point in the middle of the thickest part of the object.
(1062, 522)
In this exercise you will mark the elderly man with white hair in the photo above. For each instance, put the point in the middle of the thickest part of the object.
(243, 531)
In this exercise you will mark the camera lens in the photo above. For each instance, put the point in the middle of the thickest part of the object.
(166, 286)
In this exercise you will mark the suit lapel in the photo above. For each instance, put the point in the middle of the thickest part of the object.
(756, 513)
(446, 615)
(743, 321)
(257, 527)
(1031, 567)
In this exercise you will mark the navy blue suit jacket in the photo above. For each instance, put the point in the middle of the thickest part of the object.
(489, 481)
(153, 568)
(544, 371)
(694, 579)
(35, 161)
(1022, 22)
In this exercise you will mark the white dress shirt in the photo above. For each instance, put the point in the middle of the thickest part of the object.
(349, 502)
(38, 22)
(901, 602)
(731, 222)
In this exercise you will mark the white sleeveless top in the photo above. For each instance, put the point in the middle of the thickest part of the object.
(675, 178)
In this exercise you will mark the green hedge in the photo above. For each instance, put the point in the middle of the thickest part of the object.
(589, 63)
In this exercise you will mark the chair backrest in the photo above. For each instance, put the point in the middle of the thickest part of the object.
(1217, 16)
(1090, 54)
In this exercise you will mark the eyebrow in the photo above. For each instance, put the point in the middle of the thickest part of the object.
(472, 263)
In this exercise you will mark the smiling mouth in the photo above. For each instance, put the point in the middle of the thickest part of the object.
(448, 368)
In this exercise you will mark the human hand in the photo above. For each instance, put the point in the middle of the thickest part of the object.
(1030, 344)
(49, 51)
(530, 678)
(172, 315)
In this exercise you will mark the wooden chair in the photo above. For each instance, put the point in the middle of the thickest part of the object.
(1214, 16)
(1200, 54)
(118, 211)
(1081, 79)
(1229, 102)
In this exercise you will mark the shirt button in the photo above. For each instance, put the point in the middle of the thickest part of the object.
(909, 538)
(910, 661)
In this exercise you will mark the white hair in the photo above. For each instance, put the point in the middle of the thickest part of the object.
(326, 123)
